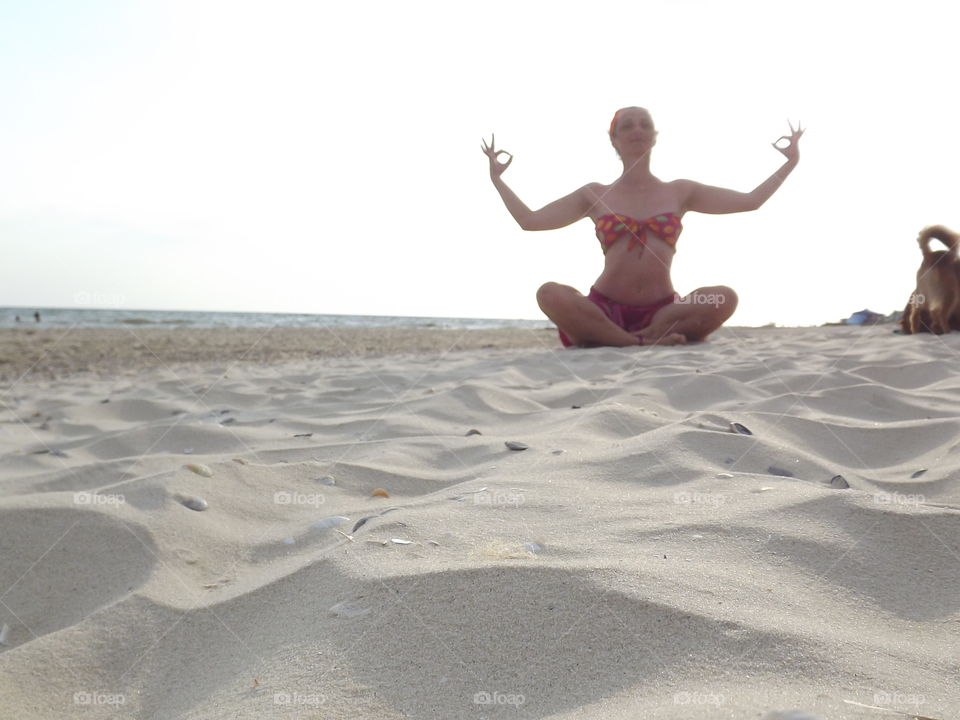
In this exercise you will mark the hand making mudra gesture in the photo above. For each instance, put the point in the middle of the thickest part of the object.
(638, 221)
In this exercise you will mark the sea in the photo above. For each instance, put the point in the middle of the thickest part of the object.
(113, 317)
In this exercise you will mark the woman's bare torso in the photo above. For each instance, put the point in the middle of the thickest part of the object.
(636, 276)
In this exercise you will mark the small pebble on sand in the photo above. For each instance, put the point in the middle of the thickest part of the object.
(194, 503)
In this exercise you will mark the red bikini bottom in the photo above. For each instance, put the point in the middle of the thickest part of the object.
(632, 318)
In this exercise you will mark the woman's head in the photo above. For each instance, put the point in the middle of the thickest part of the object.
(632, 126)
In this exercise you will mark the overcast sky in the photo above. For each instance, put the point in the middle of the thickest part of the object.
(324, 157)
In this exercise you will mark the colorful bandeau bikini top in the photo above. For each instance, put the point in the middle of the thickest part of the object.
(611, 228)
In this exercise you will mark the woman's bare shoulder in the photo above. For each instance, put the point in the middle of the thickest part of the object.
(595, 190)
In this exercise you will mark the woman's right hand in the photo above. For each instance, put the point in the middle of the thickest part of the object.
(496, 167)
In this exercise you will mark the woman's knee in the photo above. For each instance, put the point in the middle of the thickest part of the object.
(721, 298)
(552, 295)
(730, 299)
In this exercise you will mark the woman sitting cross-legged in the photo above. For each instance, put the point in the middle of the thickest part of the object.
(638, 221)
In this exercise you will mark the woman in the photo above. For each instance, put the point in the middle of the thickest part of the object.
(638, 220)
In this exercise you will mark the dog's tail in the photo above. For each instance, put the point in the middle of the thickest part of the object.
(938, 232)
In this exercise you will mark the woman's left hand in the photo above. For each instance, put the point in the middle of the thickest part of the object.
(792, 150)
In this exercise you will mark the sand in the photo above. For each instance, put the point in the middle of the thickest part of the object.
(51, 353)
(638, 560)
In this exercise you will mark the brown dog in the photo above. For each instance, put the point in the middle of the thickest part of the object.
(935, 305)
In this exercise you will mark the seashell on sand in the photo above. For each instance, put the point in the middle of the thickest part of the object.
(839, 482)
(775, 470)
(361, 522)
(513, 445)
(199, 469)
(348, 609)
(329, 522)
(738, 428)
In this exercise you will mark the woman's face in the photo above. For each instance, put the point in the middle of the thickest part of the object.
(634, 133)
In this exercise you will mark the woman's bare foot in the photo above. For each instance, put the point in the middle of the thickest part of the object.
(666, 339)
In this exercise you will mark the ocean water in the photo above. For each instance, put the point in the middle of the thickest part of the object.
(83, 317)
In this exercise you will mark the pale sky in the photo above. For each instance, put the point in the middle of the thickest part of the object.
(324, 157)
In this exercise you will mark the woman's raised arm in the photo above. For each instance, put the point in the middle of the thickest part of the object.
(710, 199)
(560, 213)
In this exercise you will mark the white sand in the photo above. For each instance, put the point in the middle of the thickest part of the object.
(639, 560)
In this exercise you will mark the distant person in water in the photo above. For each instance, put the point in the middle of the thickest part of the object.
(36, 316)
(638, 222)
